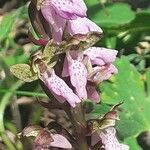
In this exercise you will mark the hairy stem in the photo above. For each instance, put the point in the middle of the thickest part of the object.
(77, 118)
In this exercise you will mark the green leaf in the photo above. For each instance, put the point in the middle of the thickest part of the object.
(110, 16)
(133, 143)
(92, 3)
(6, 26)
(100, 109)
(140, 24)
(23, 72)
(10, 19)
(128, 85)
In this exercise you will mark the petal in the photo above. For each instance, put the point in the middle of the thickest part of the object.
(93, 94)
(110, 141)
(107, 72)
(60, 141)
(60, 89)
(45, 140)
(102, 73)
(82, 26)
(69, 9)
(56, 22)
(52, 18)
(101, 56)
(57, 35)
(78, 76)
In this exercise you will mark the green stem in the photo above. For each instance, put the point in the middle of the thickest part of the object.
(4, 102)
(77, 118)
(24, 93)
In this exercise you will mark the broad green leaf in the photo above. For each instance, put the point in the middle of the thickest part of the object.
(128, 85)
(140, 24)
(23, 72)
(114, 15)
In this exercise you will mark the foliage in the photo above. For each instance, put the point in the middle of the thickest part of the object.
(129, 86)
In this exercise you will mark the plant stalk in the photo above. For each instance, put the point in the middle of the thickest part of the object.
(4, 102)
(77, 118)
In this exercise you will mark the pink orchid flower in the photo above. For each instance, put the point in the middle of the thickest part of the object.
(57, 12)
(100, 63)
(108, 139)
(78, 74)
(59, 88)
(75, 68)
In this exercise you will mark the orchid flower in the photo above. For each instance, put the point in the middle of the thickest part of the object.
(57, 12)
(77, 72)
(59, 88)
(100, 65)
(108, 139)
(75, 68)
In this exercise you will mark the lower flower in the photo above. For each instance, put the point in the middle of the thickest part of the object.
(61, 91)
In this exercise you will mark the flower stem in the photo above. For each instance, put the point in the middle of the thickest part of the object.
(4, 101)
(77, 118)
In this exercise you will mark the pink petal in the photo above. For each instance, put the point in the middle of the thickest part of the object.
(69, 9)
(57, 35)
(60, 89)
(60, 141)
(93, 94)
(101, 56)
(82, 26)
(56, 22)
(78, 76)
(102, 73)
(52, 18)
(110, 140)
(107, 72)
